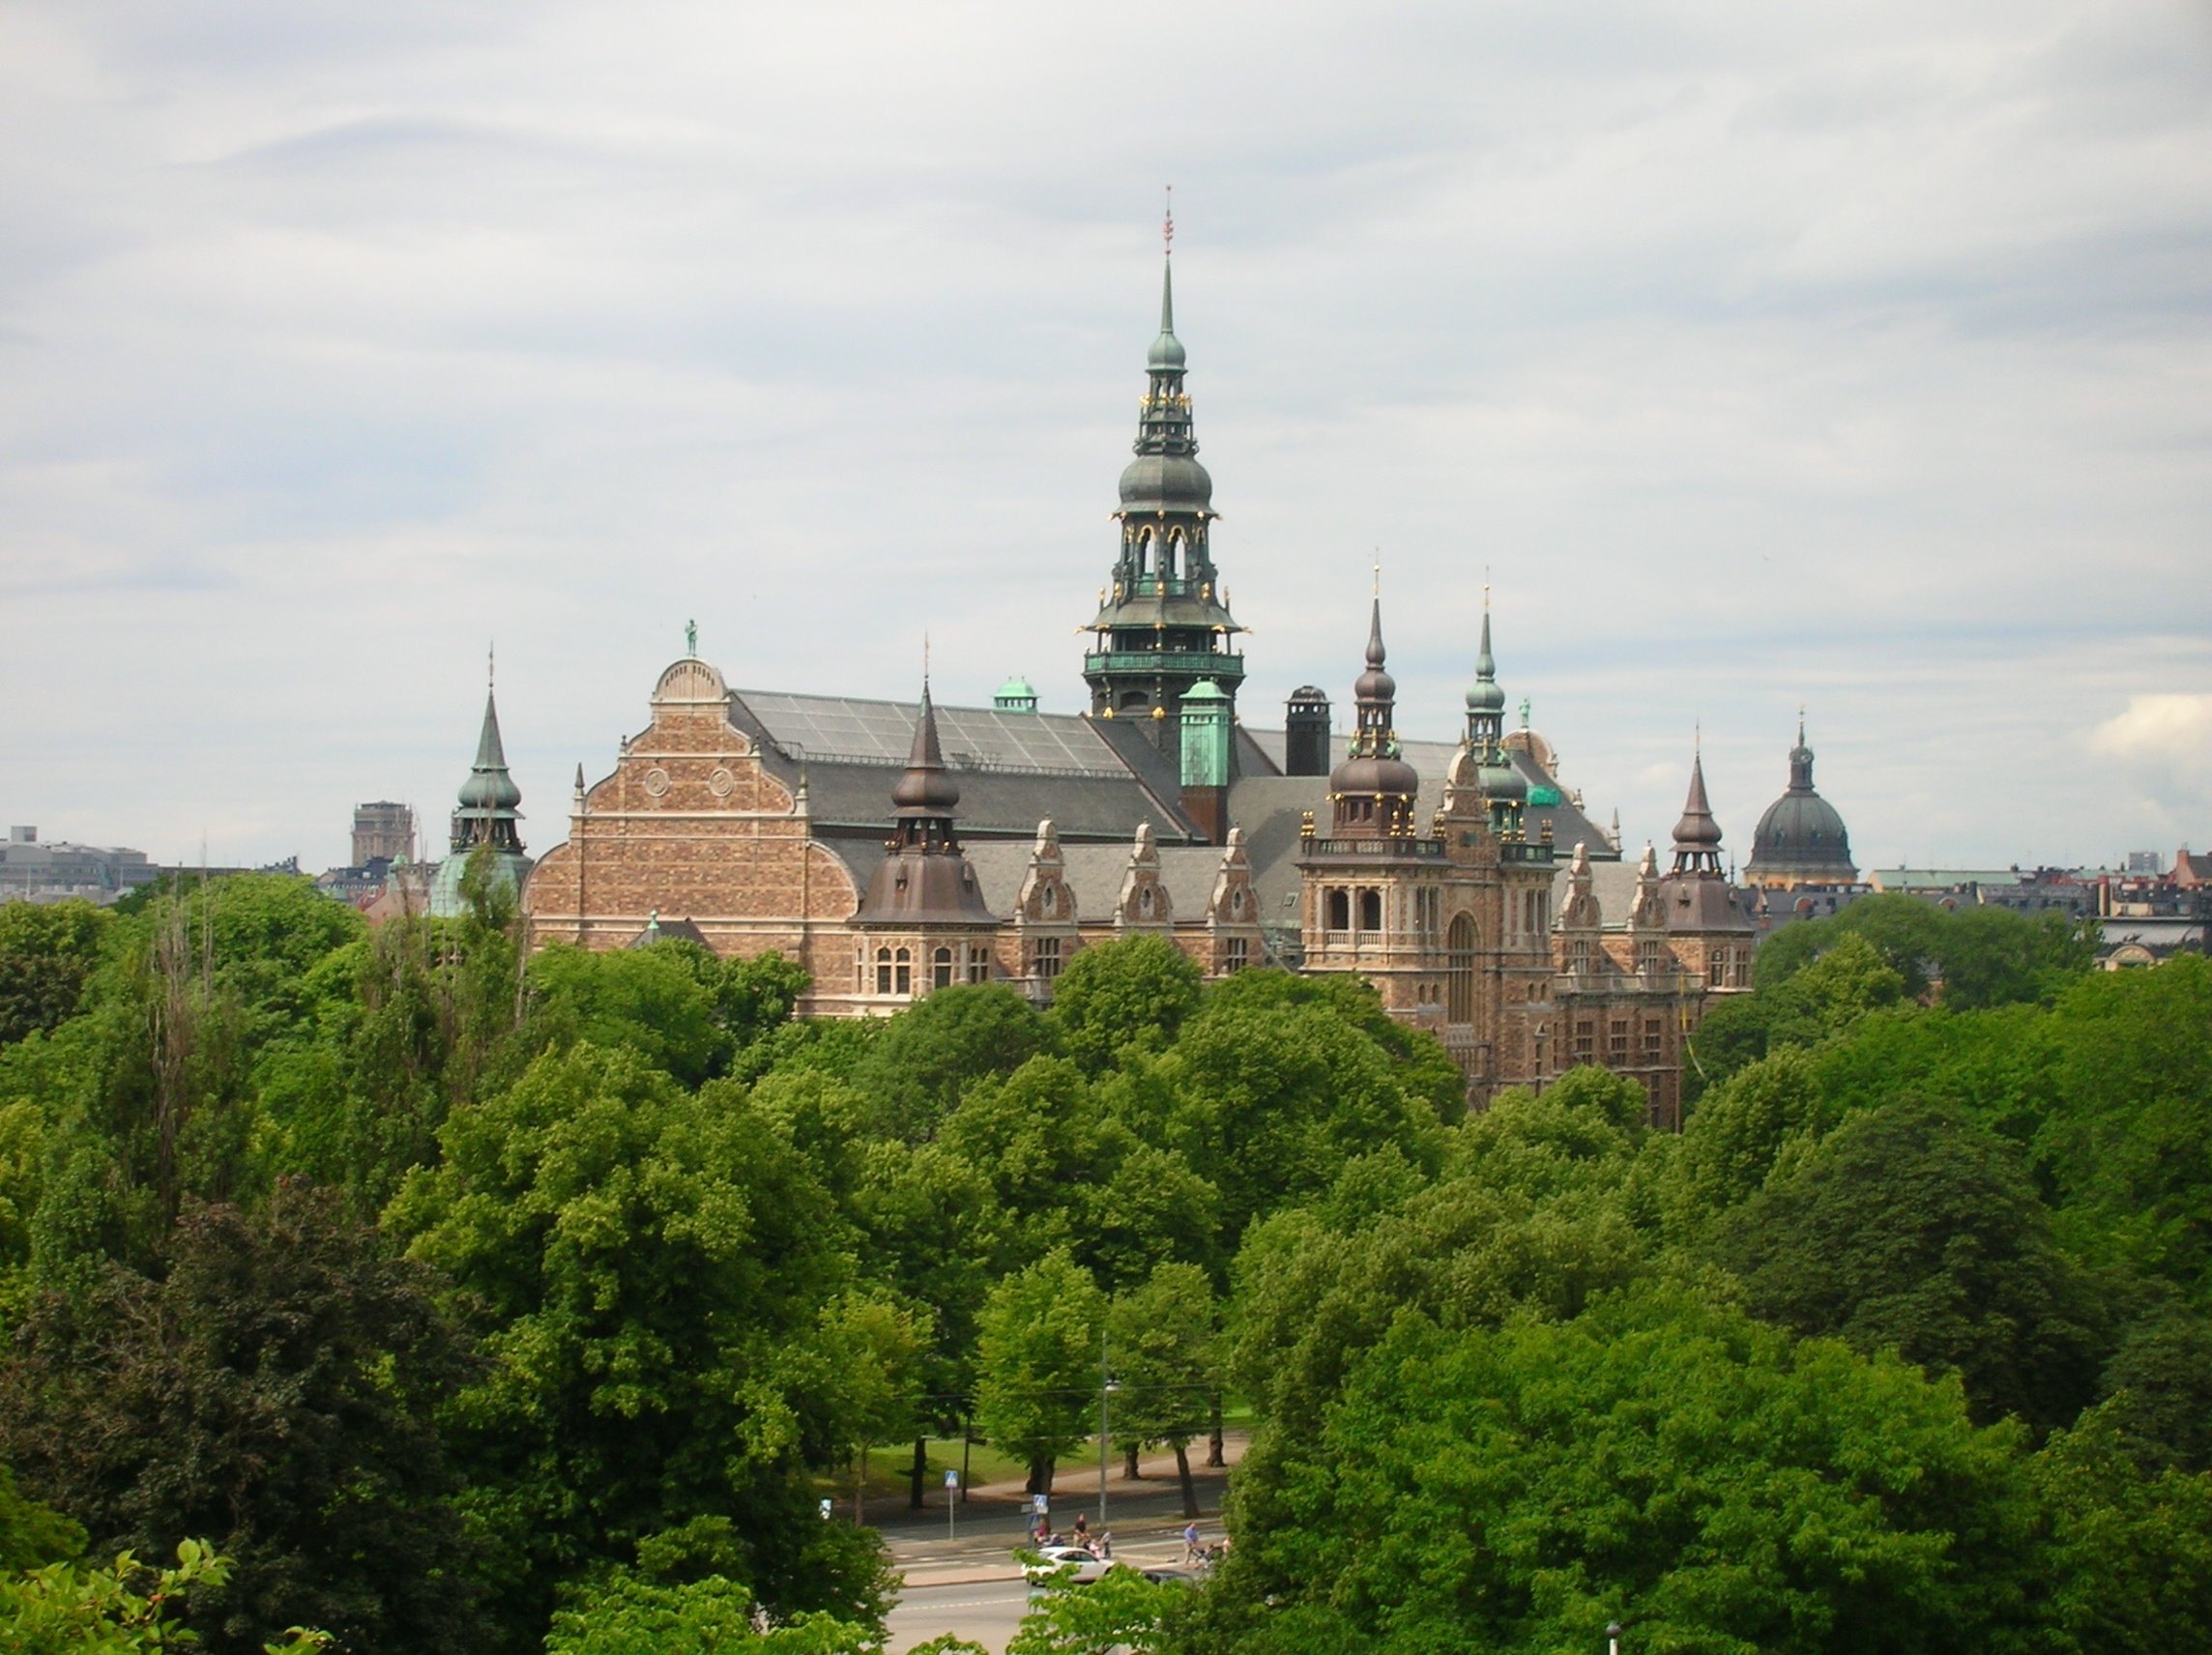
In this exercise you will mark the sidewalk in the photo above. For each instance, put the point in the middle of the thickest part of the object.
(1146, 1517)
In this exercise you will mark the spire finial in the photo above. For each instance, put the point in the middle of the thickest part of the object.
(1167, 225)
(1377, 572)
(490, 663)
(926, 659)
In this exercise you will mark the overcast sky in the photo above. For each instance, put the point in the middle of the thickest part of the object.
(1847, 356)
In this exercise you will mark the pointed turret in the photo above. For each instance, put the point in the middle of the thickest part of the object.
(925, 879)
(1163, 624)
(1482, 766)
(1697, 834)
(926, 792)
(487, 819)
(1373, 787)
(489, 797)
(1696, 891)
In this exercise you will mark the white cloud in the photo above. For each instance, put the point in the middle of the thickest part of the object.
(1855, 356)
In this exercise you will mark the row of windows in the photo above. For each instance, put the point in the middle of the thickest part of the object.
(894, 969)
(1619, 1032)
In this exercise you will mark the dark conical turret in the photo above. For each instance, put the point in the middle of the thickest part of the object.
(1163, 625)
(927, 790)
(925, 878)
(1697, 835)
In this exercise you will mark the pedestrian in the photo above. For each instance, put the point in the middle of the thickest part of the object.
(1191, 1552)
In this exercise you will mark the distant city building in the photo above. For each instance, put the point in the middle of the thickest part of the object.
(2144, 861)
(33, 871)
(383, 831)
(2038, 890)
(1801, 839)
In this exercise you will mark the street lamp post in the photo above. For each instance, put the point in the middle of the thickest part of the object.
(1106, 1387)
(1612, 1638)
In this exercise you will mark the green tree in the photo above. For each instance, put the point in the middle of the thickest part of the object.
(1270, 1100)
(274, 1388)
(1657, 1460)
(916, 1069)
(1116, 995)
(1911, 1228)
(1904, 931)
(654, 1266)
(32, 1534)
(1993, 956)
(625, 1615)
(68, 1608)
(871, 1352)
(46, 954)
(2125, 1559)
(2157, 1391)
(1163, 1336)
(2128, 1144)
(1119, 1613)
(755, 998)
(650, 1002)
(1037, 1355)
(1738, 1133)
(1833, 993)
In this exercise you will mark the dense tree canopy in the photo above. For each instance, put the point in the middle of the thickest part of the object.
(532, 1301)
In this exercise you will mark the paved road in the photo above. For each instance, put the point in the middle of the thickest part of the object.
(971, 1583)
(986, 1612)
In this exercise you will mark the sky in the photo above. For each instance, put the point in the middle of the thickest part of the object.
(1851, 357)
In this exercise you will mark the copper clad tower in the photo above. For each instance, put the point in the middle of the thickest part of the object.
(1163, 624)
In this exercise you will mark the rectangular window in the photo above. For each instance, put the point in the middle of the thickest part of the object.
(1586, 1041)
(1044, 958)
(1654, 1040)
(1234, 954)
(978, 965)
(1617, 1043)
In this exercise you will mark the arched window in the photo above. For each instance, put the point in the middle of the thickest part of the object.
(1339, 909)
(882, 970)
(1370, 908)
(941, 969)
(1459, 970)
(902, 973)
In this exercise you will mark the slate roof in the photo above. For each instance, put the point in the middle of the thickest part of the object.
(1095, 873)
(1015, 769)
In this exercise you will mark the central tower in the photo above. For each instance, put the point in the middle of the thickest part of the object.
(1163, 624)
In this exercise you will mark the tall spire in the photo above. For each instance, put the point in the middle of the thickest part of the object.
(1166, 606)
(489, 797)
